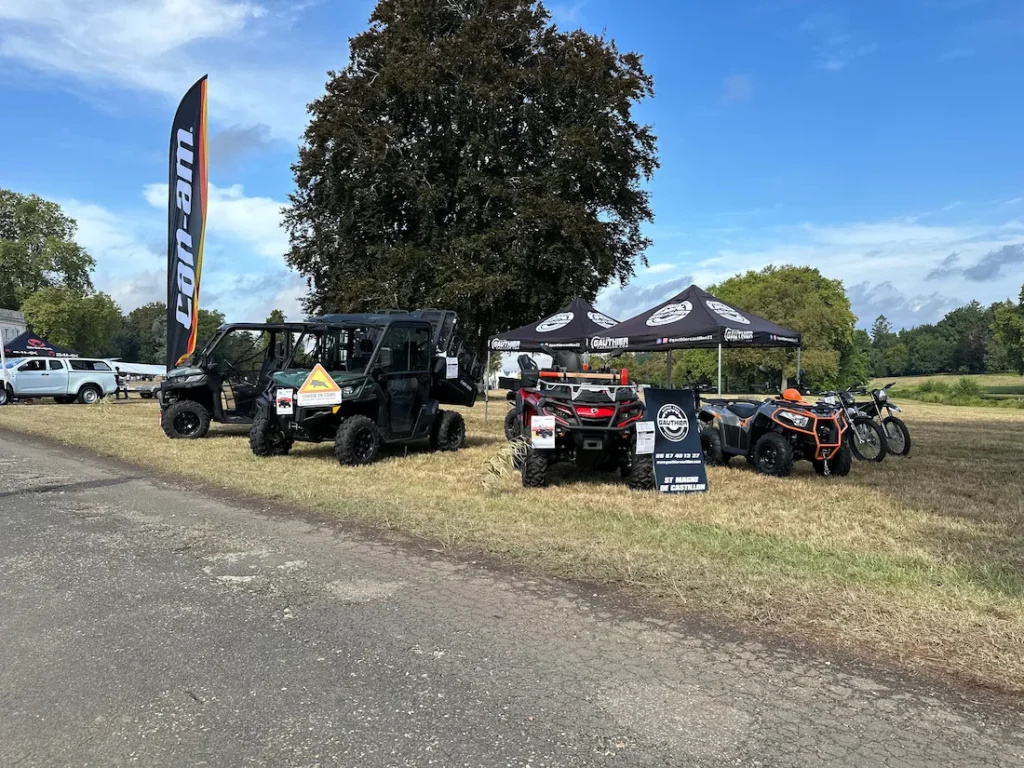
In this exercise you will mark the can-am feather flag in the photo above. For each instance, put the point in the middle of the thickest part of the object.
(186, 222)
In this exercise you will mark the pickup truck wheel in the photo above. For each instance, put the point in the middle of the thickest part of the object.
(89, 395)
(185, 420)
(5, 396)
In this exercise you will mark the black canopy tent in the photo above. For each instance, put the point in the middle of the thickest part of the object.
(29, 344)
(694, 319)
(570, 329)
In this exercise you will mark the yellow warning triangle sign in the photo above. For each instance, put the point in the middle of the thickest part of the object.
(318, 381)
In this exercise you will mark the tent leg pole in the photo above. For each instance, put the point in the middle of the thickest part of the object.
(719, 370)
(487, 385)
(798, 377)
(668, 369)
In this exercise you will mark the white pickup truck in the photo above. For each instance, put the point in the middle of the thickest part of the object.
(64, 379)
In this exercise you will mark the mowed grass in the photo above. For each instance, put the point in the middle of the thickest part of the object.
(917, 561)
(1004, 383)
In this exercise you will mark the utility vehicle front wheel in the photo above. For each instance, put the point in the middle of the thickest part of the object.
(185, 420)
(897, 436)
(266, 437)
(535, 468)
(866, 439)
(357, 441)
(449, 432)
(773, 455)
(840, 464)
(641, 474)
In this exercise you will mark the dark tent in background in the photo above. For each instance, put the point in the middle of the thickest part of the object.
(694, 319)
(569, 328)
(29, 344)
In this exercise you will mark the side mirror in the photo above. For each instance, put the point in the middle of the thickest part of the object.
(384, 359)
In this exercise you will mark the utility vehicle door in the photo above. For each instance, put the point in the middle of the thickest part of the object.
(405, 377)
(244, 358)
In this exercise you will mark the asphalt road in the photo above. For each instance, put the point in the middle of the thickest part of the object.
(142, 624)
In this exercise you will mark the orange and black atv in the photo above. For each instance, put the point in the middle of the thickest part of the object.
(775, 433)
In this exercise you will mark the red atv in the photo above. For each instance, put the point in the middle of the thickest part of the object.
(595, 416)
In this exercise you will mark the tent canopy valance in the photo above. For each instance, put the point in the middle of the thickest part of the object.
(29, 344)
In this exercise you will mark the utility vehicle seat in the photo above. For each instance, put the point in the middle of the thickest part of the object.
(570, 362)
(743, 410)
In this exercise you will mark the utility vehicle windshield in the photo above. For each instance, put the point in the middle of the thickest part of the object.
(347, 349)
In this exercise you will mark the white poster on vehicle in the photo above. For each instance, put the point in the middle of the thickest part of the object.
(451, 368)
(644, 438)
(542, 432)
(285, 402)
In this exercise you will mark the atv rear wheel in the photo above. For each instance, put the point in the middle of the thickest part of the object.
(840, 464)
(356, 442)
(773, 455)
(512, 428)
(535, 468)
(266, 437)
(711, 445)
(185, 420)
(897, 436)
(449, 432)
(866, 439)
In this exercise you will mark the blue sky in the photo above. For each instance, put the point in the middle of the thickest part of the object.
(881, 141)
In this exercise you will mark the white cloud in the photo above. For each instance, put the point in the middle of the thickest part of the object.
(255, 221)
(163, 46)
(657, 269)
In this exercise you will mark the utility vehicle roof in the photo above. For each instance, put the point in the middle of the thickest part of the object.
(380, 318)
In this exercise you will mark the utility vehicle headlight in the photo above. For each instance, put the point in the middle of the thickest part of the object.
(348, 391)
(194, 378)
(795, 419)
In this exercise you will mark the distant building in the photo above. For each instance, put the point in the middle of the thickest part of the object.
(12, 324)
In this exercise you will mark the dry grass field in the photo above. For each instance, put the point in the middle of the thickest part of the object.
(919, 561)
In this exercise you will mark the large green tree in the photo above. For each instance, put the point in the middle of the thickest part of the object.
(472, 156)
(1009, 329)
(87, 324)
(38, 249)
(143, 334)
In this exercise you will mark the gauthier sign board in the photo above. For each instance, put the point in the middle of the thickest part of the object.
(678, 458)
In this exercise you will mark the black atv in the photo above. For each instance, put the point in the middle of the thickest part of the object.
(775, 433)
(224, 380)
(367, 380)
(595, 414)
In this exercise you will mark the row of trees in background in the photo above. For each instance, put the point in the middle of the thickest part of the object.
(971, 339)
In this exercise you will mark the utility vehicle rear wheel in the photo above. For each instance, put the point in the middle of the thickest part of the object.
(89, 395)
(185, 420)
(512, 428)
(449, 432)
(840, 464)
(897, 436)
(711, 445)
(266, 437)
(773, 455)
(641, 475)
(356, 441)
(866, 439)
(535, 468)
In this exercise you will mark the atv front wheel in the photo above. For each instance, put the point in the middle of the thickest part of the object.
(641, 475)
(773, 455)
(840, 464)
(535, 469)
(512, 428)
(266, 437)
(711, 445)
(449, 432)
(356, 441)
(866, 439)
(897, 436)
(185, 420)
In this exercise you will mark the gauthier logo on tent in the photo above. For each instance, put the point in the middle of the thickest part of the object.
(555, 322)
(603, 320)
(670, 313)
(724, 310)
(672, 422)
(732, 334)
(506, 345)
